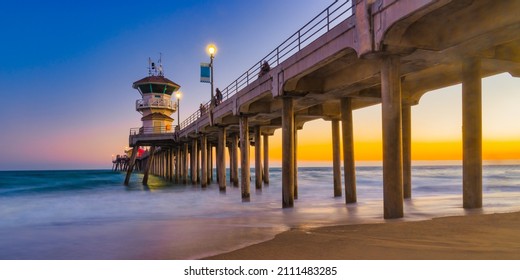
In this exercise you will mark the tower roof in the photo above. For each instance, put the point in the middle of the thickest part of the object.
(158, 84)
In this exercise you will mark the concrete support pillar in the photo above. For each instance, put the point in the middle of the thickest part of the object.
(295, 162)
(266, 159)
(178, 165)
(349, 165)
(193, 159)
(148, 165)
(166, 161)
(197, 161)
(407, 149)
(287, 153)
(471, 134)
(203, 161)
(210, 162)
(185, 164)
(258, 158)
(336, 157)
(392, 138)
(244, 161)
(172, 164)
(230, 154)
(131, 165)
(221, 158)
(234, 159)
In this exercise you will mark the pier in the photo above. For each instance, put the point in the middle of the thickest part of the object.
(352, 55)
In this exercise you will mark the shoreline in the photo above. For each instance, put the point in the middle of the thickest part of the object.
(469, 237)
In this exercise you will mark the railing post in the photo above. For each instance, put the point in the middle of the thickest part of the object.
(328, 19)
(299, 40)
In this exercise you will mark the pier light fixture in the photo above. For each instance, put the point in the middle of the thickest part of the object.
(212, 50)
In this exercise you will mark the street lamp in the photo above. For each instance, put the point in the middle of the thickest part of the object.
(212, 50)
(178, 95)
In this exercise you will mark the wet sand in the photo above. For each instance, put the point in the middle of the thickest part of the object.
(474, 236)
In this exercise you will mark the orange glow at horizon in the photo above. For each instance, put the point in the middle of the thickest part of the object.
(436, 127)
(423, 151)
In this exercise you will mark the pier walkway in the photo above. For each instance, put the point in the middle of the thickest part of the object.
(354, 54)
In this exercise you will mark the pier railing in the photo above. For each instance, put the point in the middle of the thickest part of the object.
(337, 12)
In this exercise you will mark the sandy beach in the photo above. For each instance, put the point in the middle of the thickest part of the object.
(470, 237)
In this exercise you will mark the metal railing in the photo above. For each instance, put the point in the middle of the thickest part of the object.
(337, 12)
(151, 130)
(141, 104)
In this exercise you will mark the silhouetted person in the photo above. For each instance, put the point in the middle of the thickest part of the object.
(264, 69)
(218, 96)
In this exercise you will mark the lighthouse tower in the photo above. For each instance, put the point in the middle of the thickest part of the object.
(156, 104)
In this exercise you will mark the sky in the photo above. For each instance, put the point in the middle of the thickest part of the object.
(67, 69)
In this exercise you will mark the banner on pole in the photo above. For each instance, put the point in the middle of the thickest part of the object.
(205, 73)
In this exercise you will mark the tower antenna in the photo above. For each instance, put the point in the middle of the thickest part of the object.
(149, 66)
(161, 73)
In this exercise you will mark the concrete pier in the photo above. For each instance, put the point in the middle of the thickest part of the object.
(194, 161)
(336, 158)
(295, 162)
(258, 158)
(471, 134)
(131, 165)
(392, 143)
(244, 161)
(234, 159)
(203, 161)
(406, 115)
(349, 165)
(178, 171)
(209, 166)
(221, 158)
(288, 152)
(266, 159)
(185, 163)
(149, 165)
(360, 61)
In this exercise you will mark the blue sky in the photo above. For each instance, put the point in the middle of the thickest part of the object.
(66, 67)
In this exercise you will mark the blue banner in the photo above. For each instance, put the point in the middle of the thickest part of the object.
(205, 73)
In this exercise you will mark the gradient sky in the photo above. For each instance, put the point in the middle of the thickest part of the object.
(66, 70)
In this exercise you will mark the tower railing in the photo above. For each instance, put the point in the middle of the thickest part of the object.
(337, 12)
(141, 104)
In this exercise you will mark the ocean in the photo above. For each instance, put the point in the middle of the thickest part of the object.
(90, 214)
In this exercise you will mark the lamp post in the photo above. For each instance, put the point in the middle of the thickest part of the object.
(178, 95)
(212, 50)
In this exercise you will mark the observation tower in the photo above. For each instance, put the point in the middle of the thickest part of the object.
(156, 104)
